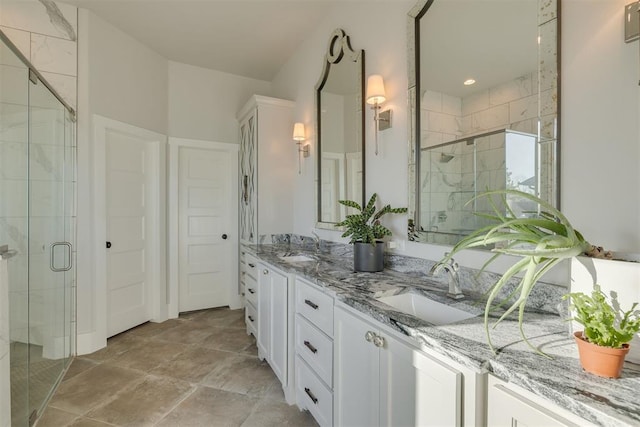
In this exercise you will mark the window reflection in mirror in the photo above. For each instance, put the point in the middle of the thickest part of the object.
(340, 119)
(484, 99)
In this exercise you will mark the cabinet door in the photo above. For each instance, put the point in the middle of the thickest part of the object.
(356, 377)
(264, 311)
(398, 381)
(508, 408)
(248, 178)
(279, 327)
(436, 392)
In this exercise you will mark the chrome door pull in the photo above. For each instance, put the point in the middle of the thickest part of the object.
(51, 259)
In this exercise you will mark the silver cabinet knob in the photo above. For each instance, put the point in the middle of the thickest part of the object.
(369, 336)
(265, 271)
(378, 341)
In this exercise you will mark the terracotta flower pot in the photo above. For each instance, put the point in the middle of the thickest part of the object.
(602, 361)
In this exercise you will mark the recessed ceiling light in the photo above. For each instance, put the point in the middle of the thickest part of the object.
(469, 82)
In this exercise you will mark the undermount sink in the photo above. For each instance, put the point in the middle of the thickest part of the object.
(426, 309)
(296, 258)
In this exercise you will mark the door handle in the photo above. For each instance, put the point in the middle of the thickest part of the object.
(108, 245)
(224, 237)
(51, 259)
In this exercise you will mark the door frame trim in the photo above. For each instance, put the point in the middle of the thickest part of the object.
(173, 290)
(157, 142)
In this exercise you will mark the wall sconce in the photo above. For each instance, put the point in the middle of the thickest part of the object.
(375, 97)
(299, 136)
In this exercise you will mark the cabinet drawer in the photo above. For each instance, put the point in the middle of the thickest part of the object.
(315, 306)
(251, 266)
(251, 290)
(312, 394)
(251, 319)
(315, 348)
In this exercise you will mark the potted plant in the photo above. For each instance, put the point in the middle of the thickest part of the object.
(608, 329)
(541, 239)
(365, 231)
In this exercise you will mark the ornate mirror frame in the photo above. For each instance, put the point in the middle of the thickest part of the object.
(548, 68)
(339, 49)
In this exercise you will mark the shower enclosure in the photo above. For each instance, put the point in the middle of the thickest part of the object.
(37, 221)
(455, 172)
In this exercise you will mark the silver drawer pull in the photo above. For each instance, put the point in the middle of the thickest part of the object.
(310, 347)
(311, 396)
(252, 265)
(378, 341)
(311, 304)
(251, 318)
(251, 291)
(369, 336)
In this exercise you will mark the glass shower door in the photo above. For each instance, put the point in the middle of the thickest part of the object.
(51, 198)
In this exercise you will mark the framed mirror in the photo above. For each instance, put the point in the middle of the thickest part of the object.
(340, 130)
(483, 90)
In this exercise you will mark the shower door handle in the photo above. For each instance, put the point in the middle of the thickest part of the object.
(51, 259)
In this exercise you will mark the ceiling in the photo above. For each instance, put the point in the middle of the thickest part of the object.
(491, 41)
(251, 38)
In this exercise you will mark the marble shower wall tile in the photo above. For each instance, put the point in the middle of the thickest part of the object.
(54, 55)
(42, 17)
(66, 86)
(22, 40)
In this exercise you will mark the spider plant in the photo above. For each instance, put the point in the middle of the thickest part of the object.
(542, 240)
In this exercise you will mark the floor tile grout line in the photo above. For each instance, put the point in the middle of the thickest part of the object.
(187, 395)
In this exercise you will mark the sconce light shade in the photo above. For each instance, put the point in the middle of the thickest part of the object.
(298, 132)
(375, 90)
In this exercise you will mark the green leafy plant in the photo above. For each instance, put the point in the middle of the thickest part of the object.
(605, 324)
(365, 226)
(541, 240)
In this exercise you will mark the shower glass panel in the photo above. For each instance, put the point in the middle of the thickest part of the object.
(37, 195)
(50, 210)
(455, 172)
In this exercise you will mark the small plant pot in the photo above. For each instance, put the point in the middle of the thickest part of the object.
(602, 361)
(367, 257)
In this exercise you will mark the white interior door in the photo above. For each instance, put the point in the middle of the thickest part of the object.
(127, 213)
(206, 239)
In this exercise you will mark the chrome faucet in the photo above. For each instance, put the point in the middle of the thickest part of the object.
(451, 267)
(316, 240)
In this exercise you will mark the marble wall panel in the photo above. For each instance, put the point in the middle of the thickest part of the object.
(510, 91)
(22, 40)
(476, 102)
(54, 55)
(66, 86)
(42, 17)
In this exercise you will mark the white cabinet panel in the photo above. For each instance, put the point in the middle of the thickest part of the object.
(356, 366)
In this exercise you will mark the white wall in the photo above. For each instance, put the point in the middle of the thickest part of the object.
(380, 29)
(203, 103)
(121, 79)
(600, 117)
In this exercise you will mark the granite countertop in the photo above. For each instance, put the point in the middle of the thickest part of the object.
(559, 379)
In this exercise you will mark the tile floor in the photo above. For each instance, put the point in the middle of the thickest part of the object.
(201, 369)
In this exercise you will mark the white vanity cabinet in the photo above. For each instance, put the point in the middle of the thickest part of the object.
(273, 322)
(314, 351)
(509, 405)
(381, 379)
